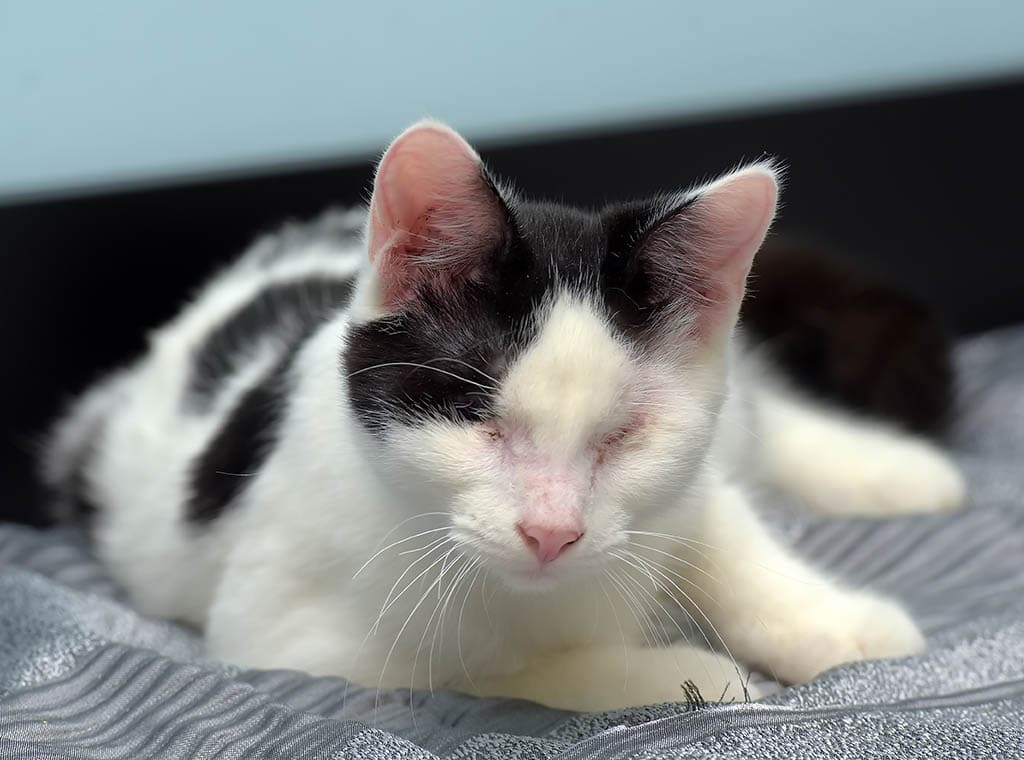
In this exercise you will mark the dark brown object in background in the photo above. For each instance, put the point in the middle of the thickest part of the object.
(848, 337)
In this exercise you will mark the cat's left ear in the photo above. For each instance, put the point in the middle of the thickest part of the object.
(700, 251)
(435, 215)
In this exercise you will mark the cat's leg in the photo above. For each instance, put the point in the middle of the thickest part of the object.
(608, 677)
(773, 611)
(846, 465)
(269, 619)
(265, 616)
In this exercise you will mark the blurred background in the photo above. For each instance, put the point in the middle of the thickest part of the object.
(143, 143)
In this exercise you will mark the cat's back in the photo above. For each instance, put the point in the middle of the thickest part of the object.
(151, 454)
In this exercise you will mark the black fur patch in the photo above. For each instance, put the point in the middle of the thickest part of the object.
(239, 448)
(445, 354)
(850, 338)
(288, 311)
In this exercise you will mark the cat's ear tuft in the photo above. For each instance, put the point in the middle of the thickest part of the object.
(701, 251)
(435, 216)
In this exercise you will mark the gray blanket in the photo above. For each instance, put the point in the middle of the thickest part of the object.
(84, 676)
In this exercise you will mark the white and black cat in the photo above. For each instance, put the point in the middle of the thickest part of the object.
(492, 445)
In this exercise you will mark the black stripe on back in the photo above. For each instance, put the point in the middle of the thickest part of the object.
(287, 310)
(239, 448)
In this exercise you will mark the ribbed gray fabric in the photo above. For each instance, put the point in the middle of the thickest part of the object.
(84, 676)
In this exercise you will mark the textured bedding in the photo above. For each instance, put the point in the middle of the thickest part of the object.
(84, 676)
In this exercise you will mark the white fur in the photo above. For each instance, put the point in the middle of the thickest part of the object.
(653, 454)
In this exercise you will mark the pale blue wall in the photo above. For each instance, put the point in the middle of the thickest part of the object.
(101, 92)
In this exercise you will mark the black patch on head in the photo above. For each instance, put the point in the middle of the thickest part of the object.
(475, 332)
(638, 298)
(287, 311)
(239, 448)
(628, 289)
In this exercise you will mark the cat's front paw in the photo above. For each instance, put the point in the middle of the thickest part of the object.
(847, 628)
(608, 677)
(678, 674)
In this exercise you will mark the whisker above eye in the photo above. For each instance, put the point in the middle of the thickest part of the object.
(468, 366)
(418, 365)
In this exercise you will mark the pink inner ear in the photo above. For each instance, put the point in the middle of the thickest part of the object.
(432, 212)
(732, 217)
(701, 254)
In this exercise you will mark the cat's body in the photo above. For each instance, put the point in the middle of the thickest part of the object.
(500, 458)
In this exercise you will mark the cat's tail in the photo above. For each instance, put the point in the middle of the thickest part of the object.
(70, 451)
(848, 337)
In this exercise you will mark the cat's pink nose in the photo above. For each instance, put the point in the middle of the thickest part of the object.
(547, 543)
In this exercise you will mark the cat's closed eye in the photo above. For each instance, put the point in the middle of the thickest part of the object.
(616, 436)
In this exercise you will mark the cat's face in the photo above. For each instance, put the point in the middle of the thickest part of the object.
(545, 376)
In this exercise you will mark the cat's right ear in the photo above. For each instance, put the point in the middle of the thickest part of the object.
(435, 216)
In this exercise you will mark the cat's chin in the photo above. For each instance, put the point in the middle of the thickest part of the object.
(542, 579)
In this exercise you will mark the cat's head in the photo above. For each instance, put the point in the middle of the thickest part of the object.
(545, 375)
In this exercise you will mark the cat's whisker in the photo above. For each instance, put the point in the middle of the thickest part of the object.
(443, 604)
(386, 606)
(418, 365)
(389, 602)
(622, 633)
(653, 597)
(442, 601)
(695, 567)
(640, 612)
(676, 538)
(426, 552)
(419, 649)
(444, 570)
(630, 606)
(458, 636)
(618, 590)
(396, 543)
(484, 600)
(467, 365)
(638, 563)
(707, 620)
(663, 589)
(691, 544)
(652, 593)
(697, 547)
(463, 575)
(663, 569)
(408, 520)
(401, 631)
(418, 549)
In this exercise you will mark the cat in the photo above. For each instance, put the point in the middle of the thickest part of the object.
(472, 441)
